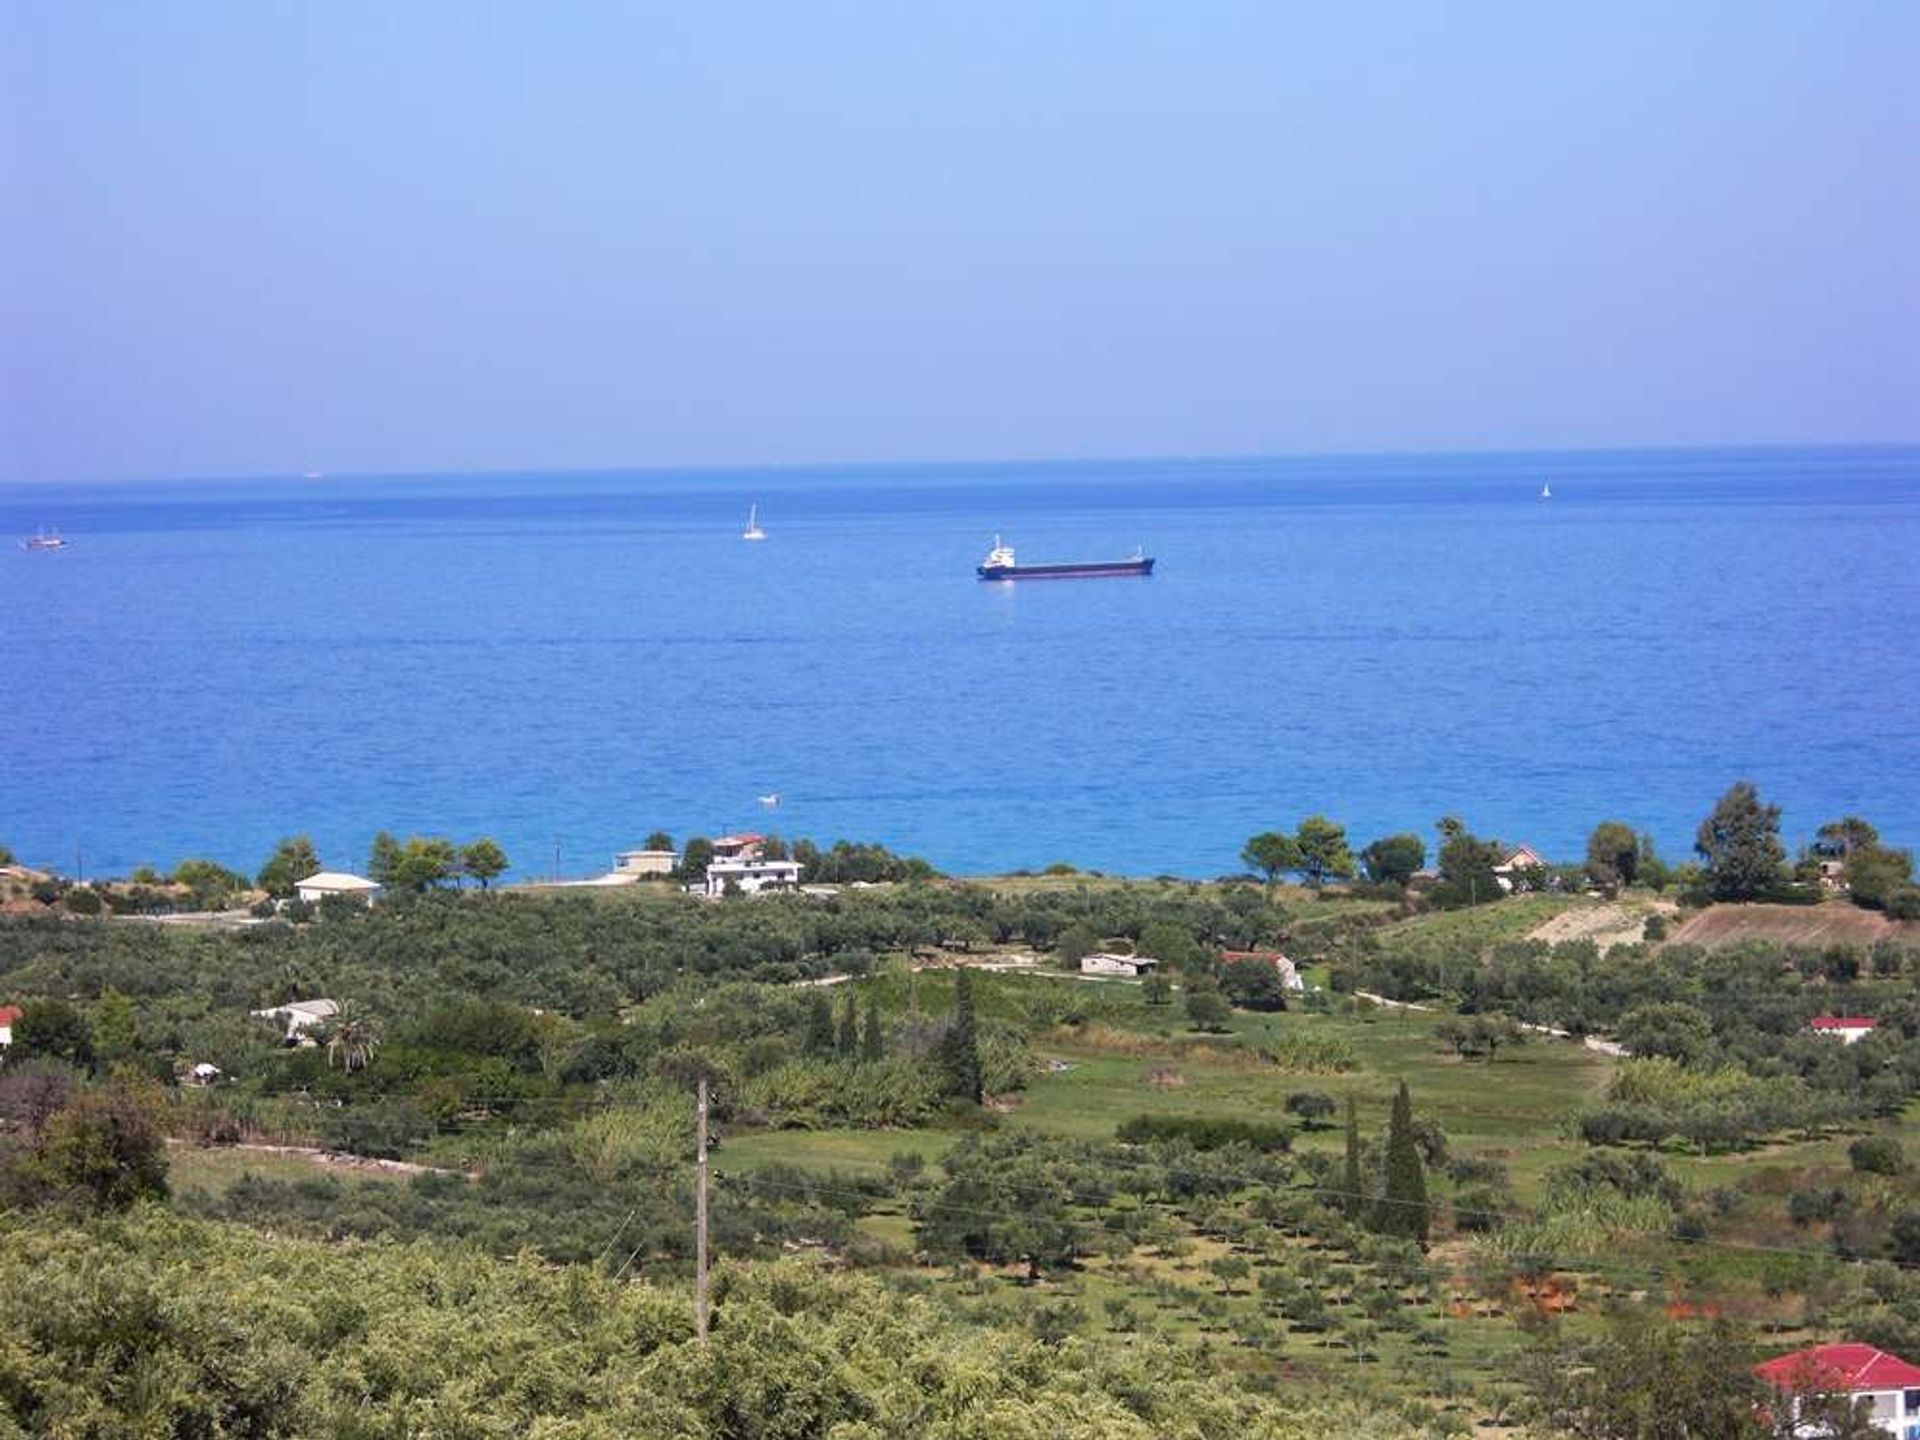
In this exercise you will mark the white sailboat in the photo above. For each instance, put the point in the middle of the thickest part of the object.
(1546, 491)
(753, 530)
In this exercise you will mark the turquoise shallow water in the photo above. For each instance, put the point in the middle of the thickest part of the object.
(578, 659)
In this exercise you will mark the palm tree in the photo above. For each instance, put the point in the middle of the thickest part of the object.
(350, 1039)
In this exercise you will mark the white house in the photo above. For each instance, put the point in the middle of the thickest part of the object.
(1289, 972)
(738, 847)
(1104, 964)
(751, 876)
(1848, 1029)
(300, 1016)
(1888, 1383)
(8, 1015)
(316, 888)
(645, 862)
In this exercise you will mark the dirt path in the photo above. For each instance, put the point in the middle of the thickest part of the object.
(338, 1159)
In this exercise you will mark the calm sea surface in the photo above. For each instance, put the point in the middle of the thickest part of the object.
(579, 659)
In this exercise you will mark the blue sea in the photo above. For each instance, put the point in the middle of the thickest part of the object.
(568, 661)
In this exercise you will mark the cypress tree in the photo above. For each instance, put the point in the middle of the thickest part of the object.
(847, 1037)
(1403, 1205)
(1353, 1190)
(819, 1026)
(873, 1041)
(963, 1043)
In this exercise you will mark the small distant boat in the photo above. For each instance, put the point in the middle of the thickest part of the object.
(1546, 492)
(753, 530)
(1000, 565)
(44, 540)
(313, 474)
(770, 800)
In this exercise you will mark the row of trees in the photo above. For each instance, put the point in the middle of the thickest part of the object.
(1318, 851)
(1738, 843)
(427, 862)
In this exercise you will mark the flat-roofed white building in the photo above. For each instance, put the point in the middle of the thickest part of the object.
(316, 888)
(1104, 964)
(751, 877)
(645, 862)
(299, 1016)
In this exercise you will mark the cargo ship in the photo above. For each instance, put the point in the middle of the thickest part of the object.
(999, 565)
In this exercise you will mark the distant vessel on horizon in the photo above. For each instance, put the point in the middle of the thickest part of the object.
(1546, 490)
(44, 540)
(1000, 565)
(753, 530)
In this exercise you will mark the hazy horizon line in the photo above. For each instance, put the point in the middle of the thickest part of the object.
(989, 462)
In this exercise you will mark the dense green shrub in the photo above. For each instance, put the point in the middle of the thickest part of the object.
(1876, 1155)
(1206, 1132)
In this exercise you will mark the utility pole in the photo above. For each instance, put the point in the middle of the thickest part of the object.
(700, 1223)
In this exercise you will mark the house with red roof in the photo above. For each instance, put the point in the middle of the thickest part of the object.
(1889, 1384)
(1515, 862)
(1848, 1029)
(9, 1014)
(738, 847)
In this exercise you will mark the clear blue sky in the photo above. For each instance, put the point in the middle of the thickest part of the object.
(247, 237)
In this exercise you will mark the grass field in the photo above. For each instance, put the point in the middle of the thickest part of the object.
(211, 1169)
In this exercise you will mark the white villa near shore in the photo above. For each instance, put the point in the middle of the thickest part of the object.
(316, 888)
(299, 1016)
(750, 877)
(1102, 963)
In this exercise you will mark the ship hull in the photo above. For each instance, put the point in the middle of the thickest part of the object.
(1097, 570)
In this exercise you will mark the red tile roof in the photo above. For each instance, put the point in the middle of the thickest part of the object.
(1852, 1368)
(748, 839)
(10, 1013)
(1843, 1022)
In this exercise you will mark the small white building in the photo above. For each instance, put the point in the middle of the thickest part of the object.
(1288, 972)
(1848, 1029)
(8, 1015)
(1889, 1385)
(645, 862)
(316, 888)
(750, 877)
(738, 847)
(299, 1016)
(1105, 964)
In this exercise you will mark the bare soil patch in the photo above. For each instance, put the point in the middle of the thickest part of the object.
(1607, 923)
(1832, 923)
